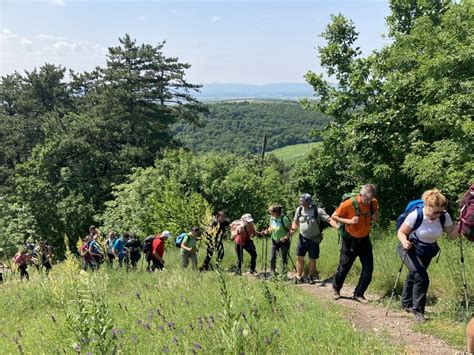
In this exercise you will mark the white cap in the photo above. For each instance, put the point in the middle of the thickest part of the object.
(247, 218)
(166, 234)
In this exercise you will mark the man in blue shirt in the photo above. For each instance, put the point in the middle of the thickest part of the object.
(119, 248)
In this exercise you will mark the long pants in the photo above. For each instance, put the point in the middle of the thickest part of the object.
(211, 247)
(417, 282)
(351, 248)
(250, 248)
(23, 272)
(156, 265)
(279, 247)
(185, 257)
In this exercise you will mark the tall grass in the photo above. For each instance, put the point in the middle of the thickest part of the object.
(181, 311)
(176, 311)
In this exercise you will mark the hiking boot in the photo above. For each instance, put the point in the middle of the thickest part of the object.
(360, 299)
(407, 309)
(335, 294)
(419, 317)
(313, 279)
(299, 280)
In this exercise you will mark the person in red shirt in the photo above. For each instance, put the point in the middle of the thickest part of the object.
(158, 250)
(21, 260)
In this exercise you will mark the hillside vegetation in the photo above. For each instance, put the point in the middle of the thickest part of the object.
(239, 126)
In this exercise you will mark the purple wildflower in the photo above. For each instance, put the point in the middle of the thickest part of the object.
(139, 322)
(138, 295)
(161, 328)
(170, 325)
(267, 341)
(165, 349)
(134, 338)
(174, 339)
(147, 326)
(76, 347)
(197, 346)
(276, 332)
(150, 316)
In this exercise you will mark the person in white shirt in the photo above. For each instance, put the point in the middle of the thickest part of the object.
(418, 247)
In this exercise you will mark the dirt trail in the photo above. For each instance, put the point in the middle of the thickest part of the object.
(396, 327)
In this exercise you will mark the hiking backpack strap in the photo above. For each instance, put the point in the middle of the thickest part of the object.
(356, 206)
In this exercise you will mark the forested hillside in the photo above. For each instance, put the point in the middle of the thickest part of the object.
(238, 126)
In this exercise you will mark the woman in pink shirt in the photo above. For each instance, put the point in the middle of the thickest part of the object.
(21, 260)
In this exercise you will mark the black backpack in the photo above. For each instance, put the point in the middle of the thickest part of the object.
(147, 244)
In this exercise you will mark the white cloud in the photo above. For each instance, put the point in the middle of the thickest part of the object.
(56, 2)
(49, 37)
(216, 19)
(25, 42)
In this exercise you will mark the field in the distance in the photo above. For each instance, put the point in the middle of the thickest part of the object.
(294, 152)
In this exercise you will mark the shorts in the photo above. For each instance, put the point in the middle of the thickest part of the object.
(307, 246)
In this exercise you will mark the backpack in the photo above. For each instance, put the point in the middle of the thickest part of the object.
(322, 226)
(147, 243)
(466, 214)
(179, 239)
(418, 206)
(342, 227)
(421, 248)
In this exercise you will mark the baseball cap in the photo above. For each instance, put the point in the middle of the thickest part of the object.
(247, 218)
(166, 234)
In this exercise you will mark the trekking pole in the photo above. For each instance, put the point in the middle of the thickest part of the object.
(265, 242)
(463, 273)
(396, 283)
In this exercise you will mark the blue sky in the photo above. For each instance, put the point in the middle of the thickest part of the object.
(254, 42)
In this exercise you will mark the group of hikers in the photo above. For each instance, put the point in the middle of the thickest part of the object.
(40, 255)
(418, 229)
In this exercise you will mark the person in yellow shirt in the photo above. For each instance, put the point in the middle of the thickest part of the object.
(357, 215)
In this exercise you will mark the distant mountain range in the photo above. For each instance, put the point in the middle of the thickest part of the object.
(284, 91)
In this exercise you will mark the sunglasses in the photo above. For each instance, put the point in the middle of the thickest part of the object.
(436, 212)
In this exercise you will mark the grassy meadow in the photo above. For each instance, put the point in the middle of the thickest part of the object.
(174, 311)
(290, 153)
(181, 311)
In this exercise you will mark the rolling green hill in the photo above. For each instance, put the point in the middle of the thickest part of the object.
(238, 126)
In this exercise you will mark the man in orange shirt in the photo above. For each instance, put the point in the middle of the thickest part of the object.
(357, 214)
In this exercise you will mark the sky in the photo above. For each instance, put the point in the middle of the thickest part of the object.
(243, 41)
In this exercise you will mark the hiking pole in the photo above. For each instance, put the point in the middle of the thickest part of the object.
(265, 242)
(463, 273)
(396, 283)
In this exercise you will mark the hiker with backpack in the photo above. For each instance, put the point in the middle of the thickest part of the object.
(134, 247)
(21, 260)
(309, 218)
(242, 231)
(119, 249)
(156, 246)
(214, 240)
(95, 251)
(109, 245)
(279, 228)
(44, 255)
(419, 227)
(189, 248)
(356, 215)
(87, 259)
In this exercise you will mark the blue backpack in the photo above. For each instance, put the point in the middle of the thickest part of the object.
(179, 239)
(418, 206)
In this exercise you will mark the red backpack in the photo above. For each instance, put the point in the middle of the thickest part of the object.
(466, 214)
